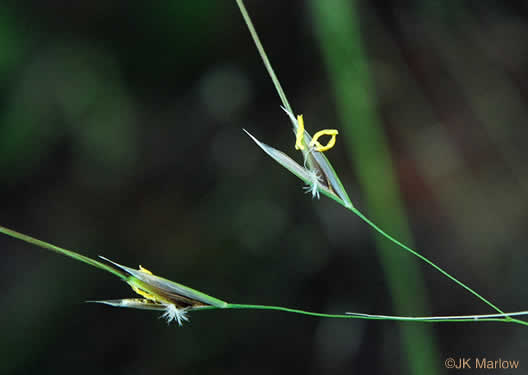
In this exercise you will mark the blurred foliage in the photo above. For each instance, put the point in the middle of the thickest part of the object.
(338, 29)
(120, 134)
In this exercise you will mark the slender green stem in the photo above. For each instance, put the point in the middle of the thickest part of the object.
(424, 259)
(60, 250)
(429, 319)
(263, 55)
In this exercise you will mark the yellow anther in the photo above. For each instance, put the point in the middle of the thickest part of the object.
(300, 133)
(319, 147)
(144, 270)
(142, 293)
(314, 143)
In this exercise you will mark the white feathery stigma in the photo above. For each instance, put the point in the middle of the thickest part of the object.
(313, 186)
(173, 313)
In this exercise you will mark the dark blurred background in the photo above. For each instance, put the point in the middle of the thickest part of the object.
(121, 135)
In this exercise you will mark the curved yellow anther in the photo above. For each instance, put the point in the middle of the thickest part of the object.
(300, 133)
(319, 147)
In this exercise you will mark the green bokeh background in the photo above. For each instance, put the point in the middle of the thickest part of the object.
(120, 135)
